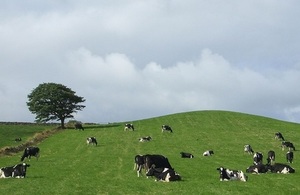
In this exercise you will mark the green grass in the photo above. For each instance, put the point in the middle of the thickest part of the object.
(68, 166)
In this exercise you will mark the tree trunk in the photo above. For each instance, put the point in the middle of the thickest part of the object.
(62, 123)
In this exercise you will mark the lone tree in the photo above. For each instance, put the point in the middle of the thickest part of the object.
(51, 101)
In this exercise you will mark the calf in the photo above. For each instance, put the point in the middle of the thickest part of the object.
(208, 153)
(257, 158)
(228, 175)
(156, 160)
(279, 136)
(186, 155)
(31, 151)
(271, 157)
(256, 169)
(128, 127)
(289, 156)
(286, 144)
(281, 168)
(16, 171)
(79, 126)
(91, 140)
(138, 164)
(166, 128)
(163, 174)
(145, 139)
(248, 149)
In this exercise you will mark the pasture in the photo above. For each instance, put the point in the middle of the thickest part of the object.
(68, 165)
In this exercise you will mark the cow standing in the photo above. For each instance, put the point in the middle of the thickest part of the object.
(16, 171)
(290, 156)
(163, 174)
(289, 145)
(228, 174)
(271, 157)
(128, 127)
(91, 140)
(248, 149)
(156, 160)
(31, 151)
(166, 128)
(79, 126)
(257, 158)
(279, 136)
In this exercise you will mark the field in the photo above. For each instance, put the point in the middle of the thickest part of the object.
(68, 166)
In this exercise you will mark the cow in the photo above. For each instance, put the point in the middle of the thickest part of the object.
(257, 169)
(257, 158)
(129, 127)
(145, 139)
(228, 174)
(138, 164)
(289, 145)
(79, 126)
(271, 157)
(31, 151)
(91, 140)
(156, 160)
(281, 168)
(208, 153)
(163, 174)
(290, 156)
(248, 149)
(16, 171)
(279, 136)
(166, 128)
(186, 155)
(18, 139)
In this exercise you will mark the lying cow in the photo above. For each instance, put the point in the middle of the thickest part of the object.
(166, 128)
(128, 127)
(257, 169)
(290, 156)
(16, 171)
(279, 136)
(31, 151)
(91, 140)
(248, 149)
(145, 139)
(257, 158)
(163, 174)
(281, 168)
(78, 126)
(271, 157)
(186, 155)
(138, 164)
(289, 145)
(228, 175)
(18, 139)
(208, 153)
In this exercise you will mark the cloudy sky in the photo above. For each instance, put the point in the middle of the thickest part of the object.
(136, 59)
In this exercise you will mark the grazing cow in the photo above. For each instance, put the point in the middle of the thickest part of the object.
(128, 127)
(248, 149)
(290, 156)
(145, 139)
(271, 157)
(163, 174)
(91, 140)
(289, 145)
(79, 126)
(156, 160)
(31, 151)
(186, 155)
(257, 158)
(256, 169)
(281, 168)
(18, 139)
(166, 128)
(16, 171)
(138, 164)
(227, 175)
(279, 136)
(208, 153)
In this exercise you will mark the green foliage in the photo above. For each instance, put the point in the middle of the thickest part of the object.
(68, 166)
(51, 101)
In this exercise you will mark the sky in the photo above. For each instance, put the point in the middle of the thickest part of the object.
(138, 59)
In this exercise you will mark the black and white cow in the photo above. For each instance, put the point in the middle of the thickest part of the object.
(166, 128)
(78, 126)
(279, 136)
(18, 139)
(139, 164)
(128, 127)
(228, 175)
(163, 174)
(31, 151)
(186, 155)
(145, 139)
(281, 168)
(289, 145)
(208, 153)
(290, 156)
(248, 149)
(257, 158)
(16, 171)
(257, 169)
(271, 157)
(156, 160)
(91, 140)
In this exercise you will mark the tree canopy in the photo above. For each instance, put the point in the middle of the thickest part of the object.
(51, 101)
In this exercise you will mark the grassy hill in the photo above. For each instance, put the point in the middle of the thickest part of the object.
(68, 166)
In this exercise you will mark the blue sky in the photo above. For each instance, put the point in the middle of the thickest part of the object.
(135, 59)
